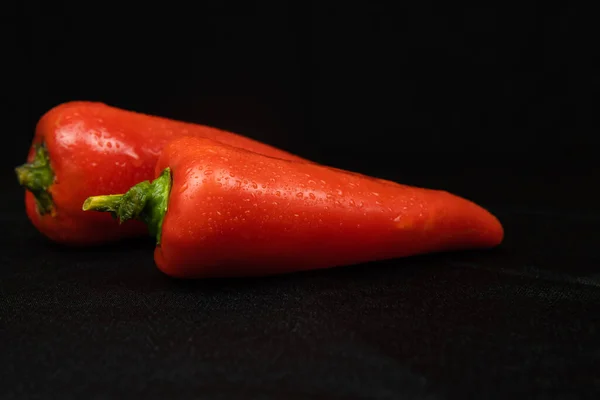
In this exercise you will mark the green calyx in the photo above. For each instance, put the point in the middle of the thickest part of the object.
(37, 177)
(147, 201)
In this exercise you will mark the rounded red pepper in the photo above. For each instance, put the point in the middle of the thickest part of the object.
(81, 149)
(219, 211)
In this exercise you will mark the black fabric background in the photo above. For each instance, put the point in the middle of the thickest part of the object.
(492, 104)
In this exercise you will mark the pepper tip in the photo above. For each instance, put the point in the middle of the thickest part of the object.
(86, 204)
(21, 172)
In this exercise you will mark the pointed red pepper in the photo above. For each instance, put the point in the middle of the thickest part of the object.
(219, 211)
(81, 149)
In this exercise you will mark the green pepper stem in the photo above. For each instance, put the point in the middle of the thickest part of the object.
(146, 201)
(37, 177)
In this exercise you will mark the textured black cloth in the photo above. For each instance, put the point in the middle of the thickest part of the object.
(520, 321)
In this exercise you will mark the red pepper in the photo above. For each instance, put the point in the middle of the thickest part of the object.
(219, 211)
(81, 149)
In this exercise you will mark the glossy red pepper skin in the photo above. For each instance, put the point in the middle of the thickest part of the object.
(235, 213)
(94, 149)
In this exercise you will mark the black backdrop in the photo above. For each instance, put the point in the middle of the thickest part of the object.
(495, 104)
